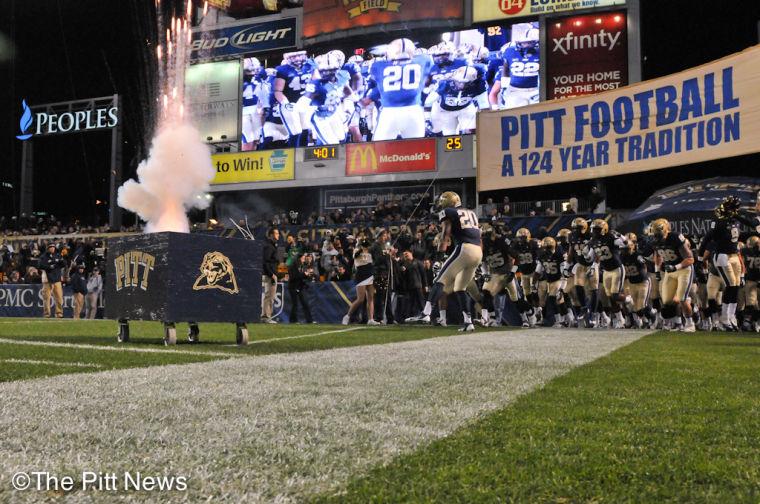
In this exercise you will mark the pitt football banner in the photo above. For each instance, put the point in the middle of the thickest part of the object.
(390, 157)
(488, 10)
(256, 166)
(326, 16)
(708, 112)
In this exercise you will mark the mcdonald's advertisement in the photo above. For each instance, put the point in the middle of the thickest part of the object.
(704, 113)
(390, 157)
(489, 10)
(257, 166)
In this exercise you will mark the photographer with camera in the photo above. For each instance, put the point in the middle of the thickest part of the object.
(299, 276)
(364, 278)
(383, 253)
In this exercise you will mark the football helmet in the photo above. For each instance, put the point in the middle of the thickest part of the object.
(579, 225)
(660, 228)
(563, 235)
(449, 199)
(251, 66)
(728, 208)
(549, 244)
(465, 50)
(339, 57)
(527, 39)
(599, 227)
(464, 75)
(443, 52)
(295, 58)
(523, 235)
(632, 241)
(420, 50)
(486, 228)
(356, 59)
(327, 64)
(753, 242)
(400, 50)
(481, 55)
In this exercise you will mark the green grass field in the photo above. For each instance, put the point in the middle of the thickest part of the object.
(668, 418)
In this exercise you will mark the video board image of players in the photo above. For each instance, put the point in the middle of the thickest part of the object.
(406, 88)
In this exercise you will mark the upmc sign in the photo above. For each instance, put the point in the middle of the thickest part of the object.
(586, 54)
(390, 157)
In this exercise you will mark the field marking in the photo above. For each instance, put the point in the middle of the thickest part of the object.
(111, 348)
(312, 335)
(324, 417)
(52, 363)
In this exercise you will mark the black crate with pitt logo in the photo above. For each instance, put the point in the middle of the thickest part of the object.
(179, 277)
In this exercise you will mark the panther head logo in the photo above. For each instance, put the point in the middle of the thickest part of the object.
(216, 273)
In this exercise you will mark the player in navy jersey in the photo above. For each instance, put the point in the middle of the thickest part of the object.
(518, 85)
(524, 249)
(453, 103)
(585, 273)
(751, 259)
(400, 80)
(461, 224)
(355, 92)
(675, 260)
(637, 284)
(326, 94)
(289, 114)
(606, 246)
(551, 260)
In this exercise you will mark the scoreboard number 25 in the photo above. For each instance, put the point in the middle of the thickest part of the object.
(453, 143)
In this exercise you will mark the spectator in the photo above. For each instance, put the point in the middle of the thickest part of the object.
(573, 204)
(488, 206)
(381, 253)
(298, 277)
(269, 274)
(52, 264)
(328, 253)
(506, 209)
(413, 273)
(78, 283)
(596, 200)
(94, 289)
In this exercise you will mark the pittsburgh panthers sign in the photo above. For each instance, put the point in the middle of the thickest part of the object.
(216, 273)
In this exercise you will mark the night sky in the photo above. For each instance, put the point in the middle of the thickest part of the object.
(67, 49)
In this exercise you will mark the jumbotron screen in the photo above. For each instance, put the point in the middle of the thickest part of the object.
(402, 88)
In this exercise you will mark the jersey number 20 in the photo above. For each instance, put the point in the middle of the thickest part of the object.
(467, 219)
(396, 78)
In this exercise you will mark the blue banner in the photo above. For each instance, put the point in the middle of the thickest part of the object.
(25, 300)
(245, 38)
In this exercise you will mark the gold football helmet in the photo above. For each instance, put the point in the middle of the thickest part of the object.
(523, 234)
(753, 242)
(449, 199)
(600, 227)
(632, 241)
(549, 244)
(579, 225)
(660, 228)
(563, 235)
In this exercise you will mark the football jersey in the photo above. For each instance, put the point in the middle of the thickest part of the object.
(250, 98)
(494, 70)
(496, 256)
(669, 249)
(441, 71)
(327, 95)
(646, 249)
(607, 250)
(453, 99)
(464, 224)
(522, 67)
(752, 263)
(635, 266)
(525, 255)
(401, 85)
(725, 234)
(577, 245)
(295, 80)
(552, 264)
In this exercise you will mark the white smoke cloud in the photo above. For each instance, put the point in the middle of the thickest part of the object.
(172, 180)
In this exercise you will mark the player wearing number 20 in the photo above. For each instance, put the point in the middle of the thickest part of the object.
(461, 225)
(400, 81)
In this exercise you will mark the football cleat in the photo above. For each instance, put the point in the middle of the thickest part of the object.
(419, 319)
(346, 320)
(373, 322)
(466, 328)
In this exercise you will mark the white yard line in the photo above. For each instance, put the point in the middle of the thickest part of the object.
(312, 335)
(277, 428)
(104, 348)
(52, 363)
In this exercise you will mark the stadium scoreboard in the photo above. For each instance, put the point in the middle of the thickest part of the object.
(323, 153)
(453, 143)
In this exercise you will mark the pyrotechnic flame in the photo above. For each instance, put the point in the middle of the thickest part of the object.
(205, 8)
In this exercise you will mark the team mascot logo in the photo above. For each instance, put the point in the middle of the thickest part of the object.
(216, 273)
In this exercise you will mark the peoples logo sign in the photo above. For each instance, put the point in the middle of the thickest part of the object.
(66, 122)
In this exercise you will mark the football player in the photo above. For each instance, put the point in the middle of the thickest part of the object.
(326, 94)
(751, 258)
(715, 287)
(606, 246)
(675, 261)
(524, 250)
(459, 269)
(254, 80)
(585, 273)
(725, 235)
(289, 114)
(498, 265)
(518, 85)
(453, 102)
(637, 284)
(400, 80)
(551, 260)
